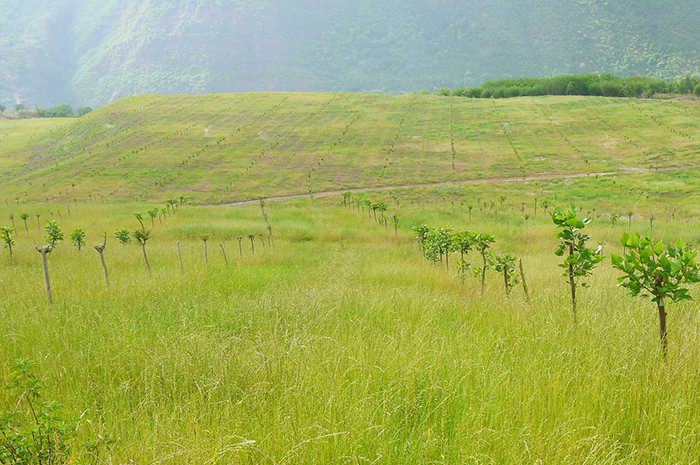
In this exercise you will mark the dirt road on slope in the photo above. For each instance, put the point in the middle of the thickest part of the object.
(466, 181)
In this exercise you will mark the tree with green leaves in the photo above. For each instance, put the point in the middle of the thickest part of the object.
(579, 260)
(123, 236)
(6, 236)
(139, 218)
(662, 271)
(153, 212)
(24, 217)
(78, 238)
(142, 236)
(613, 218)
(482, 243)
(463, 243)
(442, 240)
(506, 264)
(54, 235)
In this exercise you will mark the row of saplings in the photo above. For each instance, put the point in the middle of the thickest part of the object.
(54, 235)
(650, 268)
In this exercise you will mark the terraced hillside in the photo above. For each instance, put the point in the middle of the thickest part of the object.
(233, 147)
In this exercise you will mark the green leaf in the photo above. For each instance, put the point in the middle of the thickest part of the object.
(659, 248)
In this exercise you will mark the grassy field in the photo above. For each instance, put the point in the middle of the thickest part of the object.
(223, 148)
(342, 344)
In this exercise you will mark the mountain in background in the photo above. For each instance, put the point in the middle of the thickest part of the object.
(90, 52)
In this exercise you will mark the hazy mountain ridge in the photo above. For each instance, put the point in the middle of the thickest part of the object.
(89, 52)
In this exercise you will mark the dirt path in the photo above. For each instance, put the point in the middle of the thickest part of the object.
(466, 181)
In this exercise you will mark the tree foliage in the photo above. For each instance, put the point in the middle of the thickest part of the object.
(657, 270)
(579, 260)
(54, 235)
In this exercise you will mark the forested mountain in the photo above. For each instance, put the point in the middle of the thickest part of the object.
(89, 52)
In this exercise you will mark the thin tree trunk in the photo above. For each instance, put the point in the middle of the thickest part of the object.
(240, 246)
(44, 251)
(572, 284)
(662, 329)
(658, 283)
(505, 279)
(206, 254)
(145, 257)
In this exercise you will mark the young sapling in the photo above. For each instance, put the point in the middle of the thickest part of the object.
(24, 217)
(54, 235)
(482, 242)
(78, 238)
(662, 271)
(506, 264)
(142, 236)
(6, 236)
(123, 236)
(139, 218)
(579, 260)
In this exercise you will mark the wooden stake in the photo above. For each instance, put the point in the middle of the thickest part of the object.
(522, 276)
(223, 249)
(100, 249)
(44, 251)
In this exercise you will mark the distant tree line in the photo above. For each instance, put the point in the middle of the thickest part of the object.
(60, 111)
(605, 84)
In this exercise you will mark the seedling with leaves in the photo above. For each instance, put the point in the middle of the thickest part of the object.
(142, 236)
(659, 270)
(33, 432)
(6, 236)
(139, 218)
(24, 217)
(123, 236)
(482, 242)
(506, 264)
(153, 213)
(463, 243)
(54, 235)
(78, 238)
(580, 260)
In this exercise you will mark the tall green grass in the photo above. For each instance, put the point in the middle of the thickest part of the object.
(344, 345)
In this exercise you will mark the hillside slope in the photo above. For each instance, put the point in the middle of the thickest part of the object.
(90, 52)
(231, 147)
